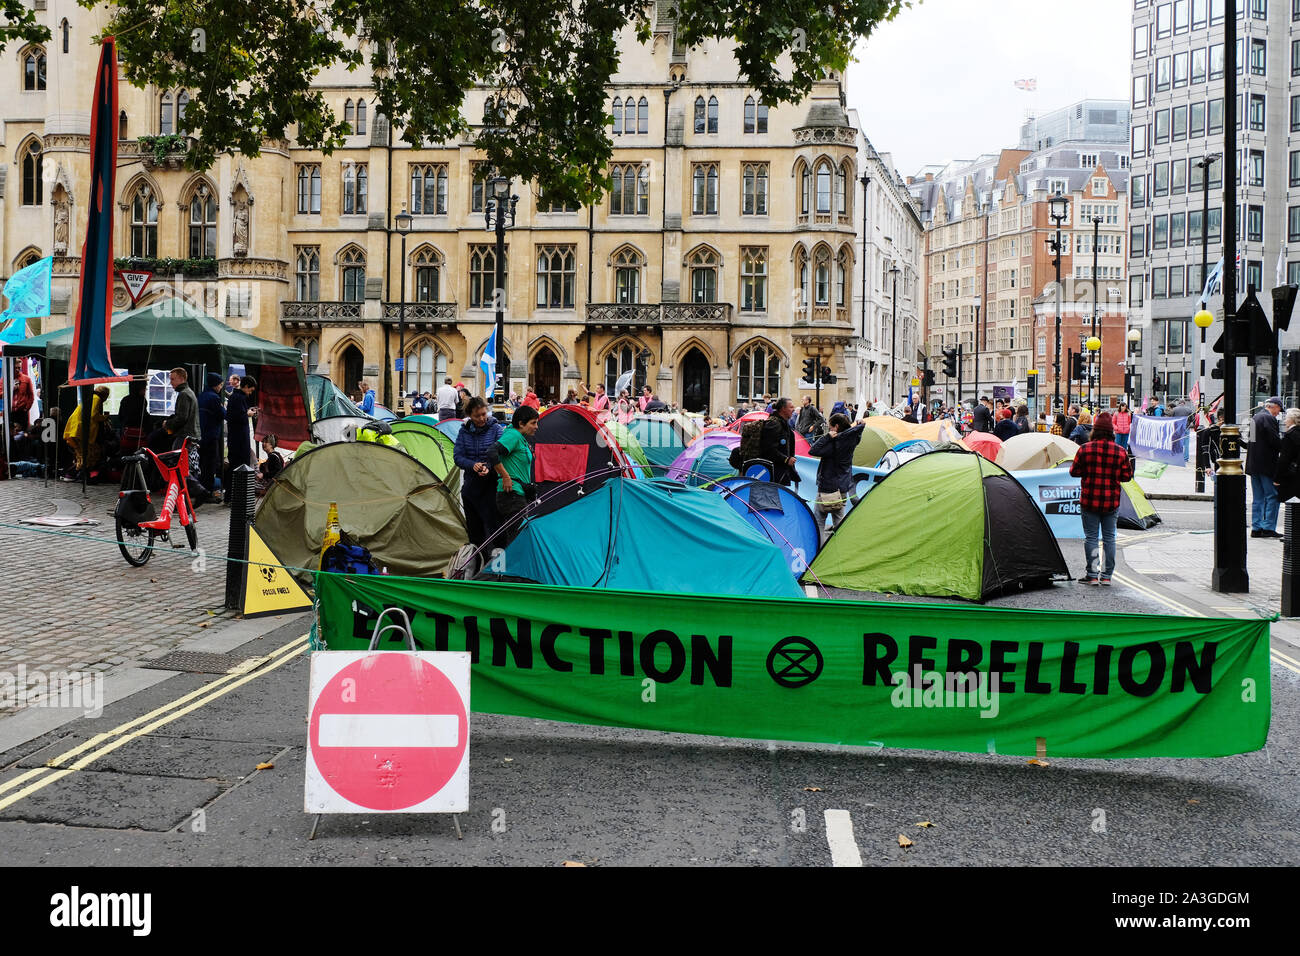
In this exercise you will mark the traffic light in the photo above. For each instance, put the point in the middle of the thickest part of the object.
(828, 377)
(950, 362)
(1217, 371)
(927, 378)
(810, 370)
(1076, 366)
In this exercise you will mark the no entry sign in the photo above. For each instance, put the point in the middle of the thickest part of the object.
(388, 732)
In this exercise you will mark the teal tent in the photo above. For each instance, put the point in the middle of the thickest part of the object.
(615, 536)
(325, 400)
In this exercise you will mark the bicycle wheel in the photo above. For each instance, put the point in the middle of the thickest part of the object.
(135, 543)
(192, 534)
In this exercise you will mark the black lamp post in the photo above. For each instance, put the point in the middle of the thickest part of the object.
(1058, 209)
(978, 302)
(499, 204)
(893, 336)
(402, 222)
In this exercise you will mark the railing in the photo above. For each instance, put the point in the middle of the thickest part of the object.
(665, 313)
(693, 312)
(320, 311)
(623, 313)
(421, 312)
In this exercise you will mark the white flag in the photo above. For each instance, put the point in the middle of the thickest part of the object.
(1281, 267)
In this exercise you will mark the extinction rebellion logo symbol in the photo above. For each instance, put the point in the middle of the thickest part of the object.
(794, 662)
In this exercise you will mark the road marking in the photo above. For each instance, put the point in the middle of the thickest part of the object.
(287, 653)
(1278, 660)
(1155, 595)
(839, 834)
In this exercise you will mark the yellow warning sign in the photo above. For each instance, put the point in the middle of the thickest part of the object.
(268, 587)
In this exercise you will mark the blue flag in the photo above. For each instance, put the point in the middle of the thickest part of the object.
(28, 291)
(488, 363)
(1213, 282)
(1161, 439)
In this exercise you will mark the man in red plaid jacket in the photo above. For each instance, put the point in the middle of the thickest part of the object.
(1102, 465)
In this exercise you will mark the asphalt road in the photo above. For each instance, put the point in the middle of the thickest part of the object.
(186, 791)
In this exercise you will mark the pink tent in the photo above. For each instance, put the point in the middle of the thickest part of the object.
(985, 444)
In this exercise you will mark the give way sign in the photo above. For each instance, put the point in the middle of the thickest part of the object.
(389, 732)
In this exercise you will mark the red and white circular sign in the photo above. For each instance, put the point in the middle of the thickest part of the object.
(389, 731)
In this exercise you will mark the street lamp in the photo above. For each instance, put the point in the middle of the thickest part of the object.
(893, 334)
(1134, 337)
(1058, 209)
(498, 205)
(1203, 319)
(402, 222)
(978, 302)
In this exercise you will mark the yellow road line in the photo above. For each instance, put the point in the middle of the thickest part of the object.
(1286, 657)
(98, 739)
(1155, 595)
(1278, 660)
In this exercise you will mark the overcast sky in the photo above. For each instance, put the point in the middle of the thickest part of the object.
(938, 82)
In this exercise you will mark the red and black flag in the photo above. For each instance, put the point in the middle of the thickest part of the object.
(90, 363)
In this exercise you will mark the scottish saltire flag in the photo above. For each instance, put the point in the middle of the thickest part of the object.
(28, 292)
(90, 363)
(488, 363)
(1213, 282)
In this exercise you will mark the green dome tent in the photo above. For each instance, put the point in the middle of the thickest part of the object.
(1135, 510)
(632, 448)
(872, 447)
(421, 439)
(945, 524)
(388, 503)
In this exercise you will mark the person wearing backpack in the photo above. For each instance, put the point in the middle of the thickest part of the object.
(835, 471)
(777, 442)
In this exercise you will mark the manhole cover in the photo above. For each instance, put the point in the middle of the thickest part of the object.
(198, 662)
(1161, 576)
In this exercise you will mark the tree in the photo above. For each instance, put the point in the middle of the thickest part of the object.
(249, 66)
(18, 22)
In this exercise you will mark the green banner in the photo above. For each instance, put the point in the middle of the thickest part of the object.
(932, 677)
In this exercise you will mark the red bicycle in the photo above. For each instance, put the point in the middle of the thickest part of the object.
(137, 525)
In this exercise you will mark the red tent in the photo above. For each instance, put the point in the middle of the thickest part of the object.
(572, 446)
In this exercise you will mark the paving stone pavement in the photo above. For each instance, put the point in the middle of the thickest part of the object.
(71, 602)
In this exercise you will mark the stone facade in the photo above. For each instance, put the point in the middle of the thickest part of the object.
(727, 257)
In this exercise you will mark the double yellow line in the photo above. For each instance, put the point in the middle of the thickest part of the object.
(103, 744)
(1283, 660)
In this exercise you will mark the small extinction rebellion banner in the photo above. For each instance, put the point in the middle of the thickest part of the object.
(1159, 439)
(932, 677)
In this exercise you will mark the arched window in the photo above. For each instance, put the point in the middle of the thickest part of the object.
(627, 264)
(759, 372)
(703, 264)
(353, 263)
(629, 115)
(307, 274)
(425, 366)
(761, 119)
(618, 116)
(121, 125)
(203, 224)
(65, 30)
(349, 113)
(846, 190)
(310, 347)
(182, 102)
(704, 189)
(144, 224)
(642, 115)
(309, 188)
(361, 117)
(355, 183)
(166, 118)
(843, 266)
(713, 114)
(34, 69)
(823, 187)
(629, 193)
(31, 258)
(32, 164)
(622, 358)
(805, 195)
(841, 198)
(699, 114)
(822, 276)
(801, 270)
(428, 273)
(429, 190)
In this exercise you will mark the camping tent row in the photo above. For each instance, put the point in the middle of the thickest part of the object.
(171, 333)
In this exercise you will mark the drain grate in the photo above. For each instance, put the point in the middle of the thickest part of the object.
(1161, 576)
(198, 662)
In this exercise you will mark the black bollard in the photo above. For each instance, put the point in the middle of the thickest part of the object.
(242, 496)
(1290, 578)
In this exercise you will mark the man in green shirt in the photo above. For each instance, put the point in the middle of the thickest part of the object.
(512, 459)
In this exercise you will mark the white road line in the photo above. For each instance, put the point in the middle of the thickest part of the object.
(839, 834)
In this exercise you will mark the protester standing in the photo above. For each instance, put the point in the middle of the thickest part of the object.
(367, 397)
(1287, 477)
(1103, 466)
(982, 420)
(1006, 427)
(776, 443)
(1123, 420)
(1261, 465)
(24, 397)
(478, 490)
(834, 471)
(239, 413)
(511, 457)
(810, 418)
(212, 415)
